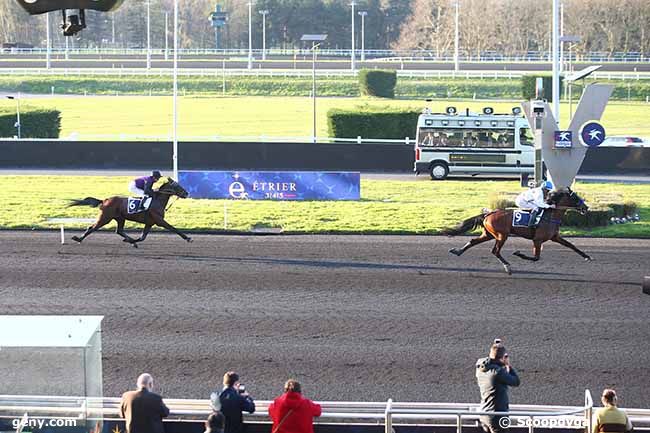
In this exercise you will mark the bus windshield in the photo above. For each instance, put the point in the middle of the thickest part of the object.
(483, 138)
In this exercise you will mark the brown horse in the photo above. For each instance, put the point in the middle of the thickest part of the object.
(497, 225)
(115, 208)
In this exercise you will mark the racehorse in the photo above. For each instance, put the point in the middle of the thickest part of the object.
(497, 225)
(116, 208)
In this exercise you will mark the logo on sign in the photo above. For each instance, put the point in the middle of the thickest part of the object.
(563, 139)
(592, 134)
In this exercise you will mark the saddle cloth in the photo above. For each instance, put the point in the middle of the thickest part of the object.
(520, 218)
(133, 205)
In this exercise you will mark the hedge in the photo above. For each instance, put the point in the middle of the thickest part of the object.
(35, 123)
(377, 82)
(384, 122)
(528, 86)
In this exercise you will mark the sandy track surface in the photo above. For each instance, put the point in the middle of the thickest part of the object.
(352, 317)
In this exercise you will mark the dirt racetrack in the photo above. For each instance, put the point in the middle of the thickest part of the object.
(351, 317)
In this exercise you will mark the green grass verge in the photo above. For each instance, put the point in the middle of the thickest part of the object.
(269, 116)
(212, 84)
(390, 207)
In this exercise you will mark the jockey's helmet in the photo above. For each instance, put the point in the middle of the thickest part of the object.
(547, 185)
(156, 174)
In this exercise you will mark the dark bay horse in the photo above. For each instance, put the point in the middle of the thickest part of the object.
(115, 208)
(497, 225)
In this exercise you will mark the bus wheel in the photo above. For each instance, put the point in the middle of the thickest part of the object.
(439, 171)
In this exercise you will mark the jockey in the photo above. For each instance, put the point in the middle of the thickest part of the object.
(535, 199)
(142, 186)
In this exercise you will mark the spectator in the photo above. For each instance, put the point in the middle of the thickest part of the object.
(142, 409)
(291, 412)
(494, 375)
(231, 402)
(610, 419)
(215, 423)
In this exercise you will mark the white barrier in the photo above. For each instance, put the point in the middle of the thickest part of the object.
(63, 221)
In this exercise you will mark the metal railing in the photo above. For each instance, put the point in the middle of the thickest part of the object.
(388, 413)
(289, 73)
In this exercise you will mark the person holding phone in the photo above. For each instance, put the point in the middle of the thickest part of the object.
(232, 401)
(494, 375)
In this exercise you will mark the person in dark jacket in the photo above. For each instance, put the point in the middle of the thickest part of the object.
(494, 375)
(291, 412)
(142, 409)
(232, 402)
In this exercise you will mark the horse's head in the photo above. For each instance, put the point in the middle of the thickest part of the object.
(568, 198)
(172, 187)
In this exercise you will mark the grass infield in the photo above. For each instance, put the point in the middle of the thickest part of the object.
(262, 116)
(386, 207)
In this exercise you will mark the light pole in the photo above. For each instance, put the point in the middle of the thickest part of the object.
(457, 37)
(166, 36)
(175, 79)
(48, 50)
(556, 68)
(148, 34)
(313, 39)
(363, 35)
(17, 124)
(113, 29)
(264, 13)
(561, 37)
(352, 56)
(250, 35)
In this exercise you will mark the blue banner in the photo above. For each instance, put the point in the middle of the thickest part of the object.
(272, 185)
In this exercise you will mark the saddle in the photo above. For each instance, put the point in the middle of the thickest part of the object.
(133, 205)
(526, 218)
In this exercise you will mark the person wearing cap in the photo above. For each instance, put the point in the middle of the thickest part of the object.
(494, 375)
(609, 418)
(143, 187)
(534, 199)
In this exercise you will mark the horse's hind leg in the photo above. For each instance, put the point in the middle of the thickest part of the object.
(560, 240)
(537, 250)
(485, 236)
(120, 231)
(497, 252)
(145, 232)
(101, 222)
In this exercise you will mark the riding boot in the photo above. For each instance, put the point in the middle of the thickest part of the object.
(533, 217)
(142, 203)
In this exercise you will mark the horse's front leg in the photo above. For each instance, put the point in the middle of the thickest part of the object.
(101, 222)
(537, 251)
(171, 228)
(560, 240)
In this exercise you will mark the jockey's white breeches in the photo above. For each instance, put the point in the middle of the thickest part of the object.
(525, 204)
(135, 190)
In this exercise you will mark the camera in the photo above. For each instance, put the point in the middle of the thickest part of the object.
(242, 389)
(497, 341)
(539, 109)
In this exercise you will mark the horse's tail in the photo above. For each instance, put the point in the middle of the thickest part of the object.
(465, 226)
(88, 201)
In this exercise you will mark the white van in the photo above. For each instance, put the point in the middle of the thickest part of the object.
(471, 143)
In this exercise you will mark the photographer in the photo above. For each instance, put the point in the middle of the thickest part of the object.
(494, 375)
(232, 401)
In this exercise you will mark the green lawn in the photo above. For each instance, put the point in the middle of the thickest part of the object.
(422, 207)
(255, 116)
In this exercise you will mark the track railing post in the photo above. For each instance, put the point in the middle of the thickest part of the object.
(389, 416)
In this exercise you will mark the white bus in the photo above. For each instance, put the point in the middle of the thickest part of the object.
(472, 144)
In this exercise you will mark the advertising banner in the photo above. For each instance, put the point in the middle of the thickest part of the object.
(272, 185)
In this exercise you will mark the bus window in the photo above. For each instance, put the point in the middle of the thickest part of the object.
(526, 137)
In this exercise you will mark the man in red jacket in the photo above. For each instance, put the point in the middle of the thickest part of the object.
(291, 412)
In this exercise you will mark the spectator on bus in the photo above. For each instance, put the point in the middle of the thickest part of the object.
(494, 375)
(611, 419)
(291, 412)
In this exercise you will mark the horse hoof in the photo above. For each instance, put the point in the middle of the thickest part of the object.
(455, 252)
(134, 245)
(75, 238)
(127, 241)
(516, 253)
(588, 259)
(507, 268)
(189, 240)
